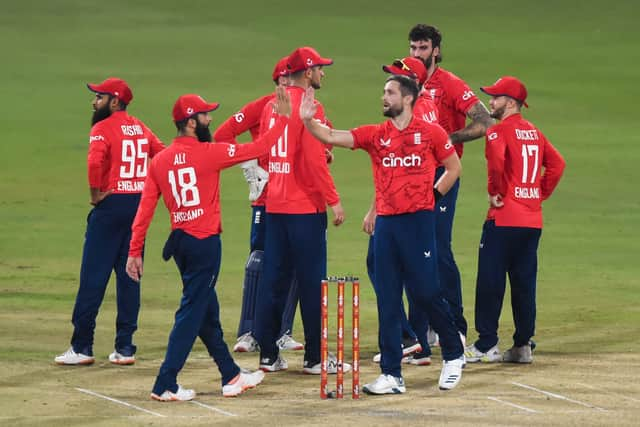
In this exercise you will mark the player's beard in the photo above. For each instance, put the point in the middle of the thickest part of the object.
(100, 114)
(203, 133)
(428, 61)
(392, 111)
(498, 112)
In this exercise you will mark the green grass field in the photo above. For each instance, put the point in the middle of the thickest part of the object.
(578, 59)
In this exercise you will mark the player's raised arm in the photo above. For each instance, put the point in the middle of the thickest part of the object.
(308, 107)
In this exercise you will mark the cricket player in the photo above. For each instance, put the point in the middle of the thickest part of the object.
(187, 175)
(120, 147)
(456, 102)
(248, 119)
(300, 189)
(523, 171)
(415, 348)
(404, 152)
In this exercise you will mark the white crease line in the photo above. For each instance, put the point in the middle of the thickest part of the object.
(495, 399)
(120, 402)
(558, 396)
(608, 392)
(213, 408)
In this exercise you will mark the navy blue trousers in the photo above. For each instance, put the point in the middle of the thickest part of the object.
(415, 319)
(199, 314)
(247, 315)
(506, 251)
(295, 246)
(450, 281)
(406, 253)
(106, 247)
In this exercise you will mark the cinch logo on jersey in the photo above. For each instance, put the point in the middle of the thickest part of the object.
(527, 135)
(526, 193)
(96, 138)
(188, 215)
(131, 130)
(391, 161)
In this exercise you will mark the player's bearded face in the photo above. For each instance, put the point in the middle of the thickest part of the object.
(316, 77)
(100, 113)
(392, 111)
(203, 133)
(498, 106)
(392, 100)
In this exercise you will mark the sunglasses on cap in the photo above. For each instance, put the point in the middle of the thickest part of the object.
(400, 64)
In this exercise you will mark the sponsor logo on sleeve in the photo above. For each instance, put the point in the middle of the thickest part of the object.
(492, 136)
(239, 117)
(93, 138)
(467, 95)
(231, 150)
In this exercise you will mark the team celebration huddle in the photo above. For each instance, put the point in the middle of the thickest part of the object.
(415, 156)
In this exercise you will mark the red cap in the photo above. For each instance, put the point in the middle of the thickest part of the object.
(188, 105)
(306, 57)
(115, 87)
(409, 66)
(280, 69)
(507, 86)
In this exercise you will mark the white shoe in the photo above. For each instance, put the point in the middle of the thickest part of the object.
(271, 365)
(332, 366)
(246, 344)
(473, 355)
(286, 342)
(385, 384)
(118, 359)
(432, 338)
(242, 382)
(181, 395)
(521, 354)
(70, 357)
(408, 347)
(451, 373)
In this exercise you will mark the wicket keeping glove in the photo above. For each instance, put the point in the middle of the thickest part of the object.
(256, 177)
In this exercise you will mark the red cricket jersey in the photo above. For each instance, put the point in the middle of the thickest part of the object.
(187, 175)
(453, 97)
(425, 108)
(516, 153)
(403, 163)
(247, 119)
(119, 150)
(299, 178)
